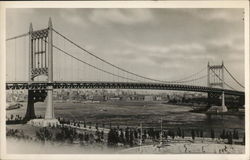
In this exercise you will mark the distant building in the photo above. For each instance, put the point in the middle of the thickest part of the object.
(98, 98)
(158, 98)
(148, 98)
(136, 97)
(188, 95)
(114, 98)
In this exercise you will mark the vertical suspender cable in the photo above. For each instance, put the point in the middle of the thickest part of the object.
(38, 52)
(34, 53)
(77, 70)
(25, 56)
(15, 62)
(63, 57)
(38, 56)
(72, 75)
(58, 64)
(113, 75)
(100, 71)
(42, 52)
(45, 49)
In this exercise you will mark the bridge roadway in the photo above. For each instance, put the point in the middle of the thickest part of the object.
(42, 85)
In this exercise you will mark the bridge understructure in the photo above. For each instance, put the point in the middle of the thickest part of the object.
(41, 63)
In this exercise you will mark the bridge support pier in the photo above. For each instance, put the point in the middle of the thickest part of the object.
(214, 103)
(223, 106)
(39, 96)
(49, 109)
(30, 112)
(241, 100)
(33, 97)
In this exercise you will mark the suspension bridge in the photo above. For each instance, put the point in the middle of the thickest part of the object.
(57, 62)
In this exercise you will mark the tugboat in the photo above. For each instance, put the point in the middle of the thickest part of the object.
(199, 109)
(14, 106)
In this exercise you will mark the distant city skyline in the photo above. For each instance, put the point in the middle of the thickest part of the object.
(164, 44)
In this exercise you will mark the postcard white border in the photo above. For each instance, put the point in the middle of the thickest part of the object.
(121, 4)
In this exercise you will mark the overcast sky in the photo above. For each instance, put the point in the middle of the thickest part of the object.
(164, 44)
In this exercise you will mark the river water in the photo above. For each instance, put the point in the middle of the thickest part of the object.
(149, 114)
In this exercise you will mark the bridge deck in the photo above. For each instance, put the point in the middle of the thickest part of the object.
(117, 85)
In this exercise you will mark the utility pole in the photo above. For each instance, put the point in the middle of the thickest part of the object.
(208, 75)
(161, 130)
(141, 138)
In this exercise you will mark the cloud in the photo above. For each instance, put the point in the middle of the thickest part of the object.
(120, 16)
(226, 14)
(172, 50)
(74, 17)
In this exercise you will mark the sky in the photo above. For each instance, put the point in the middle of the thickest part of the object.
(164, 44)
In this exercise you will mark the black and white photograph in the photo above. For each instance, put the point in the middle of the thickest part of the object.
(125, 80)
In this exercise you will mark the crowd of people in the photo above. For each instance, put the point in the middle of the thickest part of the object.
(14, 119)
(17, 119)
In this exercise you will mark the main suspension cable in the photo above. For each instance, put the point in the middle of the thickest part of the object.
(186, 78)
(234, 77)
(224, 81)
(90, 64)
(191, 80)
(19, 36)
(92, 54)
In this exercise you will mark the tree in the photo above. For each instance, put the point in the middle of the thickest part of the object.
(201, 133)
(223, 134)
(230, 138)
(131, 139)
(179, 132)
(197, 133)
(173, 134)
(235, 134)
(193, 134)
(96, 126)
(86, 137)
(122, 137)
(84, 124)
(89, 125)
(182, 134)
(127, 135)
(212, 133)
(80, 137)
(244, 139)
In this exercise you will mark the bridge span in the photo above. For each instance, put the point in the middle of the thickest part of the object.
(117, 85)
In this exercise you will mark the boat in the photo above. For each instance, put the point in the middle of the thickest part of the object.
(14, 106)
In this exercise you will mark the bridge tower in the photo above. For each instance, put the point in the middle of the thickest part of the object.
(216, 78)
(41, 63)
